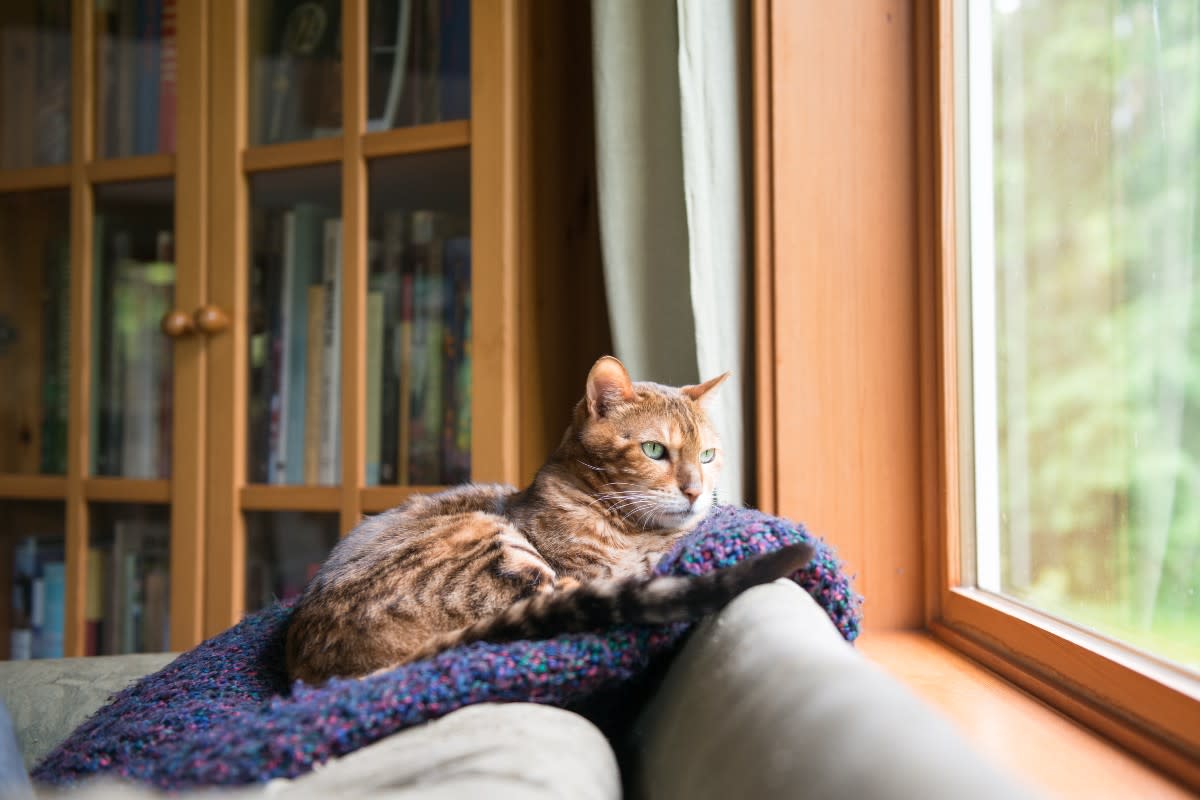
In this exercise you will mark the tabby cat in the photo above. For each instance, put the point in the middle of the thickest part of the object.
(634, 472)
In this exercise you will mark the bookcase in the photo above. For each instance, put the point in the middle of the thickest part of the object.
(260, 274)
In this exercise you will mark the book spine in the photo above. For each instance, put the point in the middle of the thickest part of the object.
(427, 351)
(280, 424)
(454, 60)
(314, 388)
(330, 471)
(54, 583)
(57, 344)
(306, 248)
(168, 78)
(404, 413)
(457, 376)
(53, 82)
(125, 105)
(146, 77)
(374, 368)
(93, 614)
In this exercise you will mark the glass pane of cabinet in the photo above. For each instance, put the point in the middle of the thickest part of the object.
(131, 358)
(35, 335)
(284, 549)
(135, 77)
(295, 70)
(33, 579)
(418, 62)
(35, 83)
(294, 425)
(418, 402)
(128, 590)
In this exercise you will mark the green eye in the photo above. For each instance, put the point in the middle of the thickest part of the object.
(654, 450)
(708, 455)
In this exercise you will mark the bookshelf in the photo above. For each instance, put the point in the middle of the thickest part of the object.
(224, 199)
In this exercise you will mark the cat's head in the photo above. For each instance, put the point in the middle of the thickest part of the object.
(653, 452)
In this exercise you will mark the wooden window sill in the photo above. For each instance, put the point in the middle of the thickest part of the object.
(1013, 729)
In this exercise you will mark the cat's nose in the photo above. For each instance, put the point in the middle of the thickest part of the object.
(691, 493)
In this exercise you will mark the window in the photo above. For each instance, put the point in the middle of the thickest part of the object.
(1077, 285)
(1083, 168)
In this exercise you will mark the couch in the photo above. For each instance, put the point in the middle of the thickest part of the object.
(764, 701)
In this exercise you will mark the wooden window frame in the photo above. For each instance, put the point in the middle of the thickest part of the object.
(858, 402)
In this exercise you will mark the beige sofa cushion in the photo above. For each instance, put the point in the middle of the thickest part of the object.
(767, 701)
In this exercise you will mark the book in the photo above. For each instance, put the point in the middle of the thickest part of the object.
(314, 387)
(331, 358)
(305, 51)
(387, 279)
(56, 353)
(374, 367)
(18, 94)
(142, 295)
(53, 82)
(48, 640)
(456, 427)
(168, 77)
(146, 76)
(454, 60)
(94, 605)
(425, 356)
(404, 390)
(302, 250)
(141, 548)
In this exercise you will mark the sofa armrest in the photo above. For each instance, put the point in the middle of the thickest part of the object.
(49, 698)
(766, 700)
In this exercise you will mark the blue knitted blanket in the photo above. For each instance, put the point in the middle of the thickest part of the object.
(223, 713)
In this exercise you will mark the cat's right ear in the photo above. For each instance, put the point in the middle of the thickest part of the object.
(608, 384)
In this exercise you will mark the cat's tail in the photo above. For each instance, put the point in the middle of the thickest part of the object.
(643, 600)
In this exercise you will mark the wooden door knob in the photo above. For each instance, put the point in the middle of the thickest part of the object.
(210, 320)
(176, 324)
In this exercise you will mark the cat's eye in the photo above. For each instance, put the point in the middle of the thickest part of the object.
(708, 455)
(654, 449)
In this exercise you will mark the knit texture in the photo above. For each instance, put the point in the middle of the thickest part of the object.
(224, 714)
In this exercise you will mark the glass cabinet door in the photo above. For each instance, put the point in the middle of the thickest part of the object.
(32, 579)
(132, 386)
(35, 84)
(418, 403)
(35, 331)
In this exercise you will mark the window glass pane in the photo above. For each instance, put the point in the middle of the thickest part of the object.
(1088, 309)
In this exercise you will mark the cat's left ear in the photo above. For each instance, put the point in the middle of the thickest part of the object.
(701, 390)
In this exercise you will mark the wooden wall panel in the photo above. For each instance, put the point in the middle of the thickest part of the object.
(563, 313)
(843, 274)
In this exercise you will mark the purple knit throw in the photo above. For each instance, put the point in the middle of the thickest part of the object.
(224, 714)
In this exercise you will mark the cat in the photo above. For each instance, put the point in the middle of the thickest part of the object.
(634, 472)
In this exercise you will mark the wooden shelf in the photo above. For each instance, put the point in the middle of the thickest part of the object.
(35, 178)
(33, 487)
(308, 153)
(126, 490)
(260, 497)
(417, 139)
(135, 168)
(380, 498)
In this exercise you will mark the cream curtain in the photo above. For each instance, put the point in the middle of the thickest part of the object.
(670, 88)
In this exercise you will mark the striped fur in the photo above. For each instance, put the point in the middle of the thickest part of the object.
(573, 551)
